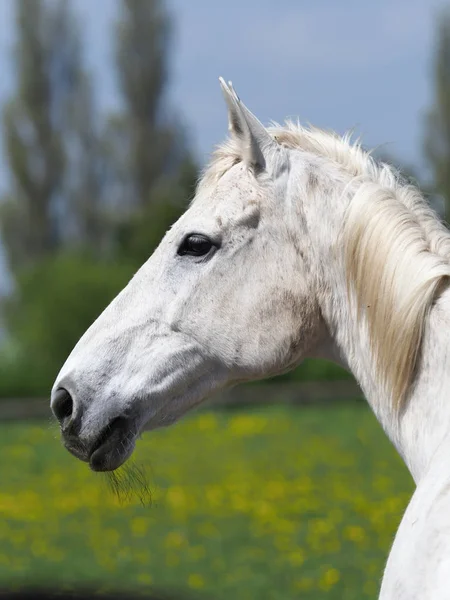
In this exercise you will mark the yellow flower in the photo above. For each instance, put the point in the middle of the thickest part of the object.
(174, 539)
(297, 558)
(249, 502)
(176, 496)
(207, 422)
(196, 581)
(329, 579)
(145, 578)
(139, 526)
(354, 533)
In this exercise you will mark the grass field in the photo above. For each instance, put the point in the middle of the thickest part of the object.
(267, 504)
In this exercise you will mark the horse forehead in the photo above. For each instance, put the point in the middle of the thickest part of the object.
(236, 193)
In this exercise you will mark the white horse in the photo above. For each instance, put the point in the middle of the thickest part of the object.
(297, 244)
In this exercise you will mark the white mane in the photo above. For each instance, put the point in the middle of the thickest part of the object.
(396, 250)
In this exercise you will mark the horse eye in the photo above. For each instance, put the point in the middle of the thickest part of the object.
(195, 245)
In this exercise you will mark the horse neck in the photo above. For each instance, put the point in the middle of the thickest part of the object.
(422, 426)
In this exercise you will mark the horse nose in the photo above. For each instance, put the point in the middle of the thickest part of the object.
(62, 406)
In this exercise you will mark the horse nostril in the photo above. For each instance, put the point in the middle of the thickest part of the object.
(62, 405)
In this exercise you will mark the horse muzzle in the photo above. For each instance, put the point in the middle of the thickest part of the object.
(104, 450)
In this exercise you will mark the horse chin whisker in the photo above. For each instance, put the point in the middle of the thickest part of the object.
(128, 481)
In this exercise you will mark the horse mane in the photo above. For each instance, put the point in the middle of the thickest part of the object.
(397, 252)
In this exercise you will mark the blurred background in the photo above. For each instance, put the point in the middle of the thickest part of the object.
(109, 109)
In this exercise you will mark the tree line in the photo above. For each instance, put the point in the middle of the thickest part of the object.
(91, 194)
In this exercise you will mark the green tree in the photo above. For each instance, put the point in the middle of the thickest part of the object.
(437, 136)
(141, 233)
(50, 140)
(33, 142)
(92, 196)
(55, 301)
(148, 144)
(142, 52)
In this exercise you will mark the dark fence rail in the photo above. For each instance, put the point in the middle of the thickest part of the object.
(301, 393)
(298, 394)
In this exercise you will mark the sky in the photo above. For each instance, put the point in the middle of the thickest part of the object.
(339, 65)
(336, 64)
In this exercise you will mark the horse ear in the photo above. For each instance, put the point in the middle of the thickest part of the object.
(246, 128)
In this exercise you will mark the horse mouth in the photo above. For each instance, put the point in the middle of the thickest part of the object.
(112, 447)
